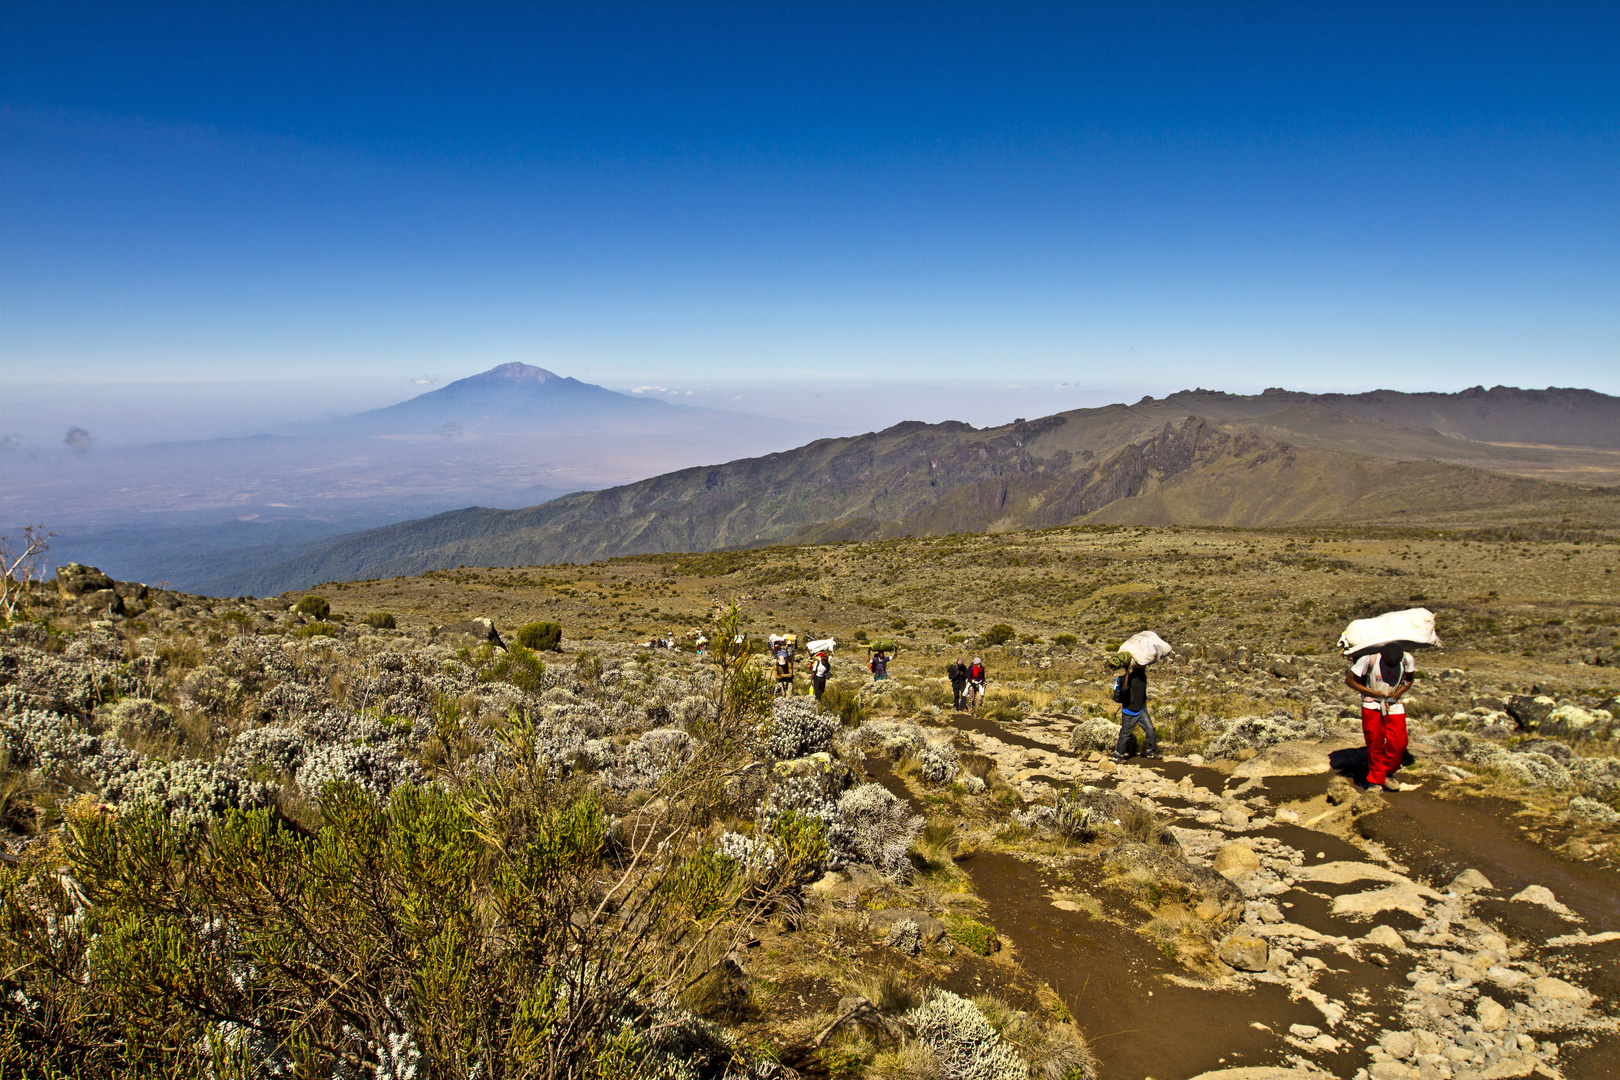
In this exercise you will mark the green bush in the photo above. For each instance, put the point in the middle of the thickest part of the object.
(381, 620)
(517, 666)
(971, 934)
(540, 636)
(998, 634)
(1065, 641)
(846, 702)
(314, 606)
(316, 629)
(244, 946)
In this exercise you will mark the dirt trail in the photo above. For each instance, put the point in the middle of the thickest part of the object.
(1328, 994)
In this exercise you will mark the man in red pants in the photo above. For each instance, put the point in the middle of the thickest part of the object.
(1381, 678)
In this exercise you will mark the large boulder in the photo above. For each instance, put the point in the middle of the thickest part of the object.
(473, 632)
(1153, 866)
(75, 579)
(1530, 712)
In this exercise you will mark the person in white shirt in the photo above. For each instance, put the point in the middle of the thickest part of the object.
(1381, 678)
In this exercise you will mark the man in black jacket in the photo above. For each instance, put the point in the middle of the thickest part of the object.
(1134, 712)
(959, 678)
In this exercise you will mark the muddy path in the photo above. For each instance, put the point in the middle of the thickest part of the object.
(1377, 965)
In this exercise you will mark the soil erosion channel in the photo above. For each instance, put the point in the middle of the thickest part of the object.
(1374, 942)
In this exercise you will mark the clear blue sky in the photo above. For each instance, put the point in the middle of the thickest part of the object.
(1082, 199)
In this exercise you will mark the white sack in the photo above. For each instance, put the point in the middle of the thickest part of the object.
(825, 645)
(1146, 647)
(1410, 629)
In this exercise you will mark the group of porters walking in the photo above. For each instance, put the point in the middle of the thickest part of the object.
(1381, 670)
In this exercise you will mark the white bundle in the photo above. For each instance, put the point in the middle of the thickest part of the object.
(1410, 629)
(1146, 647)
(825, 645)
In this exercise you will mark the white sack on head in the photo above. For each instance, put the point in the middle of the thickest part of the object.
(825, 645)
(1410, 629)
(1146, 647)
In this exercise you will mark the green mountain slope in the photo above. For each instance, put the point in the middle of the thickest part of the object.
(1150, 463)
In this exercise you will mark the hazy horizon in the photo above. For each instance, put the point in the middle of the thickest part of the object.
(1092, 202)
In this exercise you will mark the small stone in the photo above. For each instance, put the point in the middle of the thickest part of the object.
(1468, 881)
(1390, 1070)
(1304, 1031)
(1235, 860)
(1558, 990)
(1286, 816)
(1245, 953)
(1400, 1044)
(1235, 816)
(1492, 1016)
(1340, 791)
(1384, 937)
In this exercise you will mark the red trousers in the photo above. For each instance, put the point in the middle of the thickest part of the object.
(1386, 740)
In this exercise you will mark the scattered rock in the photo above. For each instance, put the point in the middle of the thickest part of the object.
(1384, 937)
(1341, 791)
(76, 580)
(1554, 989)
(1245, 953)
(1235, 816)
(1542, 896)
(474, 631)
(1235, 860)
(1529, 712)
(1408, 897)
(1468, 881)
(1400, 1045)
(1492, 1016)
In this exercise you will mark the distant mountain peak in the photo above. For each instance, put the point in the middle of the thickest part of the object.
(514, 372)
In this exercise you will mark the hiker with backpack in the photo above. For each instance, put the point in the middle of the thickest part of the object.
(958, 674)
(1130, 691)
(878, 666)
(975, 684)
(819, 671)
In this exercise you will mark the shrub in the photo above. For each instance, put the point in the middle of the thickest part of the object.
(873, 826)
(314, 606)
(971, 934)
(846, 704)
(517, 666)
(316, 629)
(540, 636)
(798, 728)
(381, 620)
(1065, 641)
(998, 634)
(967, 1046)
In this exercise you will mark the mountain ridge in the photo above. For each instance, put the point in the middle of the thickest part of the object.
(1148, 463)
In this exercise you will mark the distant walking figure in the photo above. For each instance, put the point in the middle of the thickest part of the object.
(818, 674)
(1130, 690)
(784, 672)
(1381, 678)
(879, 665)
(975, 685)
(958, 673)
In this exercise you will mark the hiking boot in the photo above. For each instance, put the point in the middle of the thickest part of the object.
(1152, 754)
(1118, 758)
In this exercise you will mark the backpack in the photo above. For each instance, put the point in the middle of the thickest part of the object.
(1122, 683)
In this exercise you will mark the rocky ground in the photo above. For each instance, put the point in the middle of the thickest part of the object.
(998, 898)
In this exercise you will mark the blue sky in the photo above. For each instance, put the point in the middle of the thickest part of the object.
(931, 209)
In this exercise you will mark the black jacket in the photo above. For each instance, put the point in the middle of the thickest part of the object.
(1136, 689)
(958, 674)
